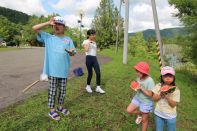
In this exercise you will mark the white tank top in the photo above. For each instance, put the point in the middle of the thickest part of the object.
(92, 47)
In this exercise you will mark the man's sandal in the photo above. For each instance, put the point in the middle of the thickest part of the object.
(54, 115)
(63, 111)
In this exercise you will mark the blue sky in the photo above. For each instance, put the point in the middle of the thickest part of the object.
(140, 11)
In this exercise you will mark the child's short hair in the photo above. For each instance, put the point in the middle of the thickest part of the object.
(90, 32)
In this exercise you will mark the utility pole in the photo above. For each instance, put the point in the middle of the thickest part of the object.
(118, 27)
(81, 14)
(156, 22)
(125, 48)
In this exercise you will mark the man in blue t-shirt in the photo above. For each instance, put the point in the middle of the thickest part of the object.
(58, 49)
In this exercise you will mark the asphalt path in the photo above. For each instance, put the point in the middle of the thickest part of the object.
(20, 68)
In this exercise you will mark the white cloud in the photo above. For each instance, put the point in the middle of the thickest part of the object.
(74, 6)
(141, 15)
(72, 21)
(64, 4)
(27, 6)
(89, 6)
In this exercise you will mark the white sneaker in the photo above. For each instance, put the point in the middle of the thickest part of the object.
(99, 90)
(88, 89)
(138, 119)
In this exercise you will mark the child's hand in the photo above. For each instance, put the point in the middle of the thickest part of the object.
(168, 95)
(72, 52)
(140, 87)
(52, 21)
(162, 94)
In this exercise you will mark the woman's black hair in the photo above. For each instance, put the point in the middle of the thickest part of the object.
(90, 32)
(172, 84)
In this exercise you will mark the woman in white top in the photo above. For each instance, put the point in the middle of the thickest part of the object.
(90, 48)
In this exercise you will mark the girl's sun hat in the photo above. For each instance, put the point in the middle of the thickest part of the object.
(142, 67)
(167, 70)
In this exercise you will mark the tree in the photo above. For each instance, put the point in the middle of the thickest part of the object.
(74, 34)
(14, 16)
(151, 47)
(29, 36)
(137, 45)
(105, 23)
(8, 29)
(188, 15)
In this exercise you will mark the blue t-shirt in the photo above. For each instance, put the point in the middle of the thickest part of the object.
(57, 60)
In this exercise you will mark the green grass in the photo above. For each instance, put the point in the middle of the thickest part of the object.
(8, 49)
(91, 112)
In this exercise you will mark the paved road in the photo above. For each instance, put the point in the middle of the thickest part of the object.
(22, 67)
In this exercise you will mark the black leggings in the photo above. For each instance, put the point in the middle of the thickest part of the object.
(91, 61)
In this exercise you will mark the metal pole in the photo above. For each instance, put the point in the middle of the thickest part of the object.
(125, 48)
(80, 29)
(118, 27)
(156, 22)
(159, 55)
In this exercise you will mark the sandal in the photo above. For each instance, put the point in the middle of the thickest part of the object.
(138, 120)
(63, 111)
(54, 115)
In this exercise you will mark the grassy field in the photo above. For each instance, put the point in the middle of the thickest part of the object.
(8, 49)
(90, 112)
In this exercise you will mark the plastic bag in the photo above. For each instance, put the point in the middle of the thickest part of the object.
(43, 77)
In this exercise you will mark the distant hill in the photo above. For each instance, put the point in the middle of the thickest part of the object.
(14, 16)
(167, 33)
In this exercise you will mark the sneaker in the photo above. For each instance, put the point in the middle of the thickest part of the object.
(138, 120)
(88, 89)
(99, 90)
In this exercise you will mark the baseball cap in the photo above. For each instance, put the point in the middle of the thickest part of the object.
(60, 20)
(167, 70)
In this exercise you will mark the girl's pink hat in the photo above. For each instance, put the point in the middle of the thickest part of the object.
(142, 67)
(167, 70)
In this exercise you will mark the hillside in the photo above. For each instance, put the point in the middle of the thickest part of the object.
(14, 16)
(166, 33)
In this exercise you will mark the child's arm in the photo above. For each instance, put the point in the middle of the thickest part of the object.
(156, 97)
(39, 26)
(86, 47)
(146, 92)
(171, 102)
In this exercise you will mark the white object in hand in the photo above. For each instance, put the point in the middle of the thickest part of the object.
(43, 77)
